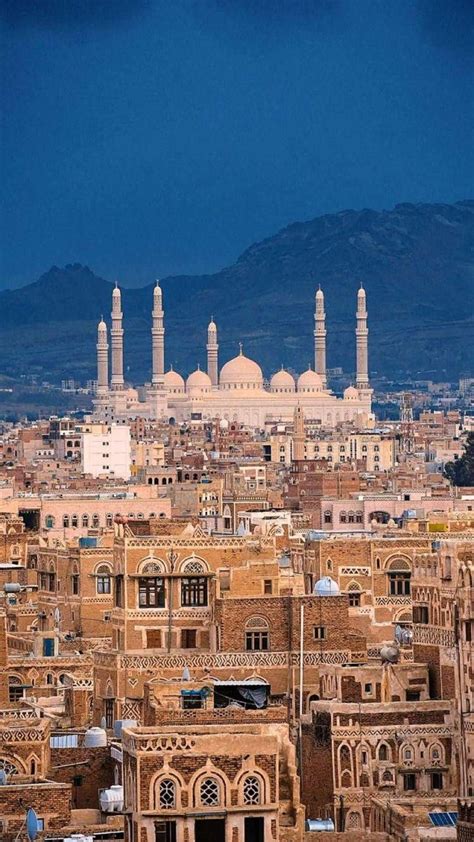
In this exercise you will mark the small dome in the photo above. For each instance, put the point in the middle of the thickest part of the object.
(282, 381)
(102, 326)
(223, 424)
(319, 293)
(212, 326)
(173, 381)
(309, 381)
(351, 393)
(198, 381)
(241, 372)
(116, 292)
(361, 292)
(326, 587)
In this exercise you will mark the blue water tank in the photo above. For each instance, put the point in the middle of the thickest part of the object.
(88, 543)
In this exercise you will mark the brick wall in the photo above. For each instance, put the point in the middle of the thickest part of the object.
(93, 767)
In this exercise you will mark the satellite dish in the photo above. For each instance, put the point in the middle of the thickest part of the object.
(57, 616)
(103, 723)
(3, 777)
(186, 674)
(31, 824)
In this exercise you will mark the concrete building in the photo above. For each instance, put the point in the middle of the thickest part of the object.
(105, 450)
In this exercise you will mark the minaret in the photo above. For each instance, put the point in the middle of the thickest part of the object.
(116, 336)
(320, 336)
(362, 367)
(298, 434)
(157, 338)
(212, 349)
(102, 359)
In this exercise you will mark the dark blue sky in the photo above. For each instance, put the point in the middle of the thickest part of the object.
(149, 138)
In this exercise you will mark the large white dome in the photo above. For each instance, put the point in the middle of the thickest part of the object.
(198, 382)
(173, 381)
(282, 381)
(310, 381)
(241, 373)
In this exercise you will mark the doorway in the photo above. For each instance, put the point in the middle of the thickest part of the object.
(209, 830)
(165, 831)
(254, 829)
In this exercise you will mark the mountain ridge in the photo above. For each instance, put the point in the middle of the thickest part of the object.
(416, 262)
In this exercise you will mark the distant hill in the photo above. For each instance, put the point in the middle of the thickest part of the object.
(416, 263)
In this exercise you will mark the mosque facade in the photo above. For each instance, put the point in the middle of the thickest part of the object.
(236, 392)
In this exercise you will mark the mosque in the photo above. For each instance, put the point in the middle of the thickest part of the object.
(235, 393)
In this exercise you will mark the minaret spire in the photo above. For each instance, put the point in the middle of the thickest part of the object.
(212, 353)
(320, 336)
(102, 359)
(362, 333)
(116, 336)
(157, 338)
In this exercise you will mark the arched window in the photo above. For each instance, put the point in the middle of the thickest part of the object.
(109, 519)
(74, 520)
(257, 637)
(167, 794)
(342, 517)
(8, 767)
(95, 521)
(49, 522)
(66, 521)
(209, 793)
(399, 575)
(85, 521)
(383, 752)
(252, 793)
(103, 581)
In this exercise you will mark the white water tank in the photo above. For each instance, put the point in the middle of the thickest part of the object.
(78, 837)
(95, 737)
(123, 723)
(111, 800)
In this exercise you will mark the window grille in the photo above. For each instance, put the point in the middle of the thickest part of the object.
(167, 794)
(210, 793)
(251, 790)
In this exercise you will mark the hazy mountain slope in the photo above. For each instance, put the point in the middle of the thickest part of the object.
(416, 263)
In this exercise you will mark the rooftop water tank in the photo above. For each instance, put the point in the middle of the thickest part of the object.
(12, 587)
(319, 825)
(95, 737)
(326, 587)
(111, 800)
(123, 723)
(78, 837)
(88, 542)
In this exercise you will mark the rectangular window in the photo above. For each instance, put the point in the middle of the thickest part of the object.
(75, 584)
(194, 591)
(256, 641)
(367, 688)
(413, 695)
(436, 780)
(103, 584)
(109, 713)
(354, 599)
(267, 587)
(399, 584)
(153, 638)
(15, 692)
(119, 591)
(409, 781)
(421, 614)
(319, 632)
(151, 592)
(188, 638)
